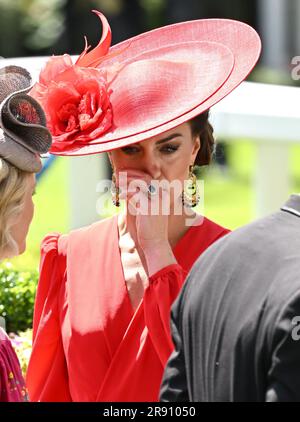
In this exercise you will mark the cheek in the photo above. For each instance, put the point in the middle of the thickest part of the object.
(176, 173)
(118, 156)
(177, 167)
(124, 162)
(30, 211)
(25, 219)
(118, 161)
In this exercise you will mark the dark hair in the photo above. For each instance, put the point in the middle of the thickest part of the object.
(201, 127)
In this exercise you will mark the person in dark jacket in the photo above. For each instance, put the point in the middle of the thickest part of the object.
(236, 323)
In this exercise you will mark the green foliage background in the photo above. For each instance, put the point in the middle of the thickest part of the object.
(17, 291)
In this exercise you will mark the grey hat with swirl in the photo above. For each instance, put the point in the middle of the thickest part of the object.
(23, 132)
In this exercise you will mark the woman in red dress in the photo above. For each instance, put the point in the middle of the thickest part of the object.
(101, 320)
(23, 136)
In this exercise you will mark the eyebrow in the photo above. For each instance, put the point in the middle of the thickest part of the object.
(168, 138)
(161, 141)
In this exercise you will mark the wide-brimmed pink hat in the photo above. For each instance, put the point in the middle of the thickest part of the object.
(144, 86)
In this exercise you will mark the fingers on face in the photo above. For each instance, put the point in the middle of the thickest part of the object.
(137, 186)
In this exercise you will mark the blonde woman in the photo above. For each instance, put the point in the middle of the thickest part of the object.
(23, 136)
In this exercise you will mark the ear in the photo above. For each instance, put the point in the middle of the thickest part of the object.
(196, 148)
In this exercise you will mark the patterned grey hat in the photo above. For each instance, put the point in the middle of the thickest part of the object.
(23, 132)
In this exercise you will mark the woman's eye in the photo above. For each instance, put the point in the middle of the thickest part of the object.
(130, 150)
(166, 149)
(169, 149)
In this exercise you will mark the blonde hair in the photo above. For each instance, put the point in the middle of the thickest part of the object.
(13, 185)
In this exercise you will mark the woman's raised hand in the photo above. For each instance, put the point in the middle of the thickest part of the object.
(148, 201)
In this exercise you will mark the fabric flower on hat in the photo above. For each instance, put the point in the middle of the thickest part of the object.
(75, 97)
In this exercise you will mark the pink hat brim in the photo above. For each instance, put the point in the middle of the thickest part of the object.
(170, 75)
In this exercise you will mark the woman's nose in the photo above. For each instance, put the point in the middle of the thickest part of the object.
(151, 165)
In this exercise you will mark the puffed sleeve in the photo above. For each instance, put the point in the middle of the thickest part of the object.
(284, 373)
(159, 296)
(47, 377)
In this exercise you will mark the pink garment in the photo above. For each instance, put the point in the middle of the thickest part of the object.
(12, 385)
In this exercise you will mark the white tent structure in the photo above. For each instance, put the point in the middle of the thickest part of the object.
(270, 116)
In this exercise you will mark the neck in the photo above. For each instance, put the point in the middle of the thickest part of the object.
(177, 227)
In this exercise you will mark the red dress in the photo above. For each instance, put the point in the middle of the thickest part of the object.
(89, 344)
